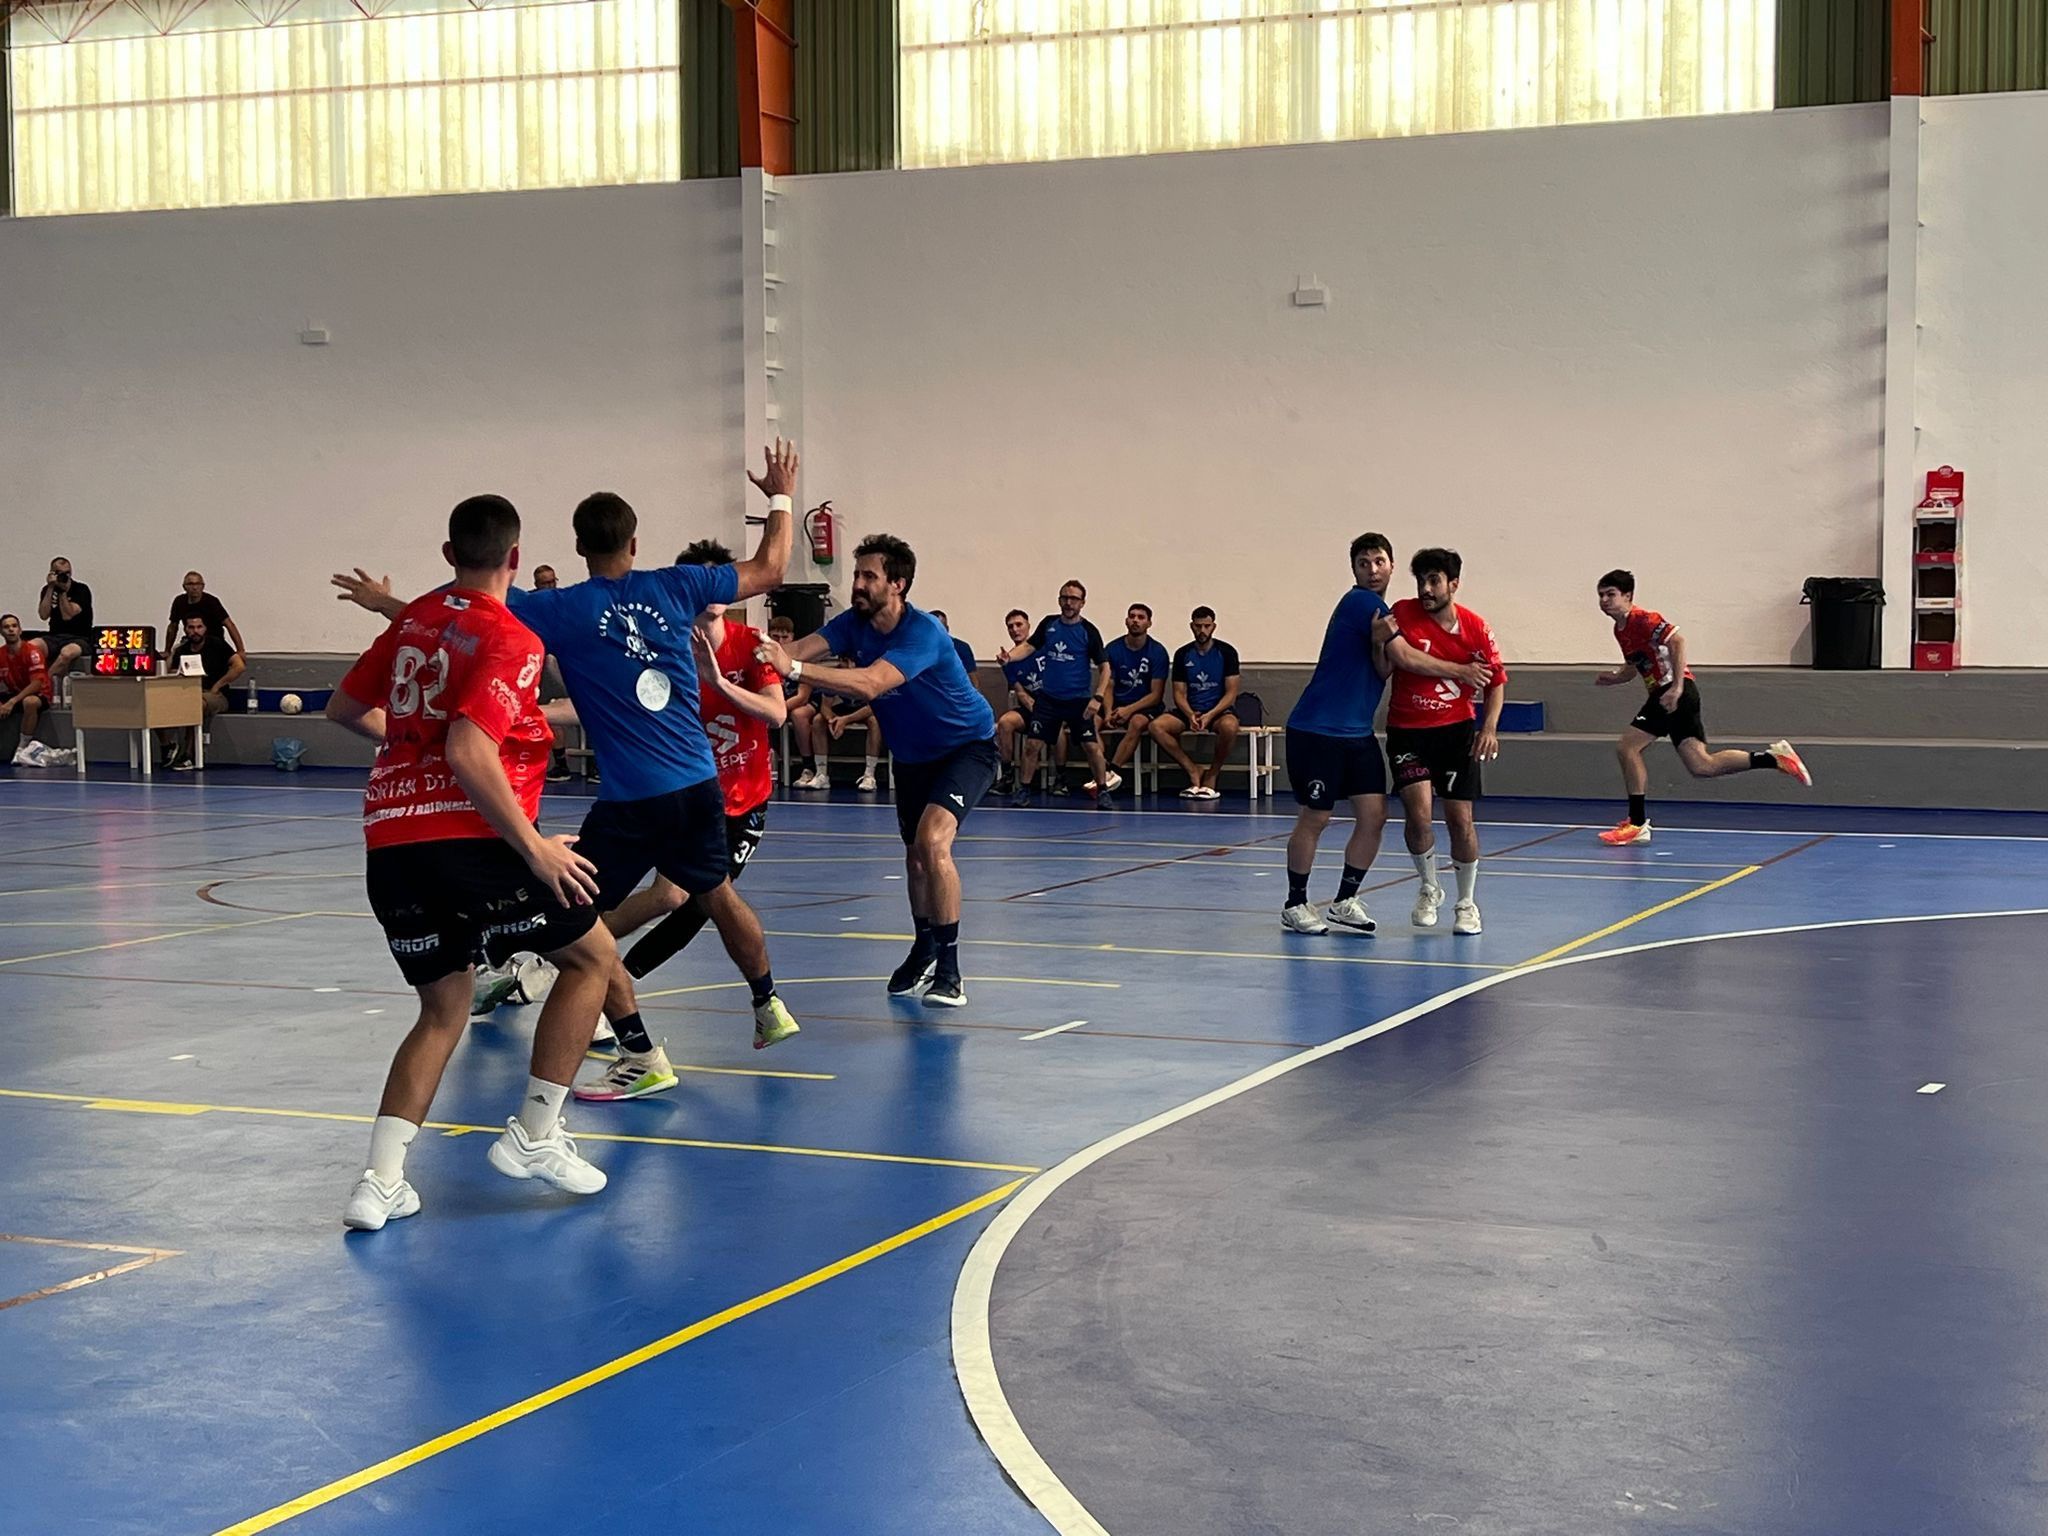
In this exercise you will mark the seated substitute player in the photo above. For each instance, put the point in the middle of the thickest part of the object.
(1435, 740)
(24, 679)
(1138, 665)
(1653, 649)
(1204, 699)
(1020, 678)
(943, 732)
(824, 718)
(1072, 693)
(220, 664)
(456, 861)
(960, 647)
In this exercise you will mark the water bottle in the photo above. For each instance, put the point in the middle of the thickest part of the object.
(252, 698)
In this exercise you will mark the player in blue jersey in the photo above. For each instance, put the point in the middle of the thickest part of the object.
(940, 728)
(1332, 753)
(1204, 677)
(1073, 688)
(960, 647)
(1138, 666)
(622, 637)
(1020, 681)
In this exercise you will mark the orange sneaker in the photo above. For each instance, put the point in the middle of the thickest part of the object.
(1788, 762)
(1628, 832)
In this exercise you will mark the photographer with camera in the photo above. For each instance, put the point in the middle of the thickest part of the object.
(66, 611)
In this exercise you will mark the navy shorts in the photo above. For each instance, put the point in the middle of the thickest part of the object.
(1326, 769)
(955, 782)
(1049, 714)
(444, 902)
(1438, 755)
(680, 836)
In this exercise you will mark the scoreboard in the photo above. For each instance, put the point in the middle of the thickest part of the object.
(121, 650)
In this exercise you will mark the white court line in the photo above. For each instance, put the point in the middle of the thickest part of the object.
(1930, 1087)
(1227, 816)
(973, 1350)
(1061, 1029)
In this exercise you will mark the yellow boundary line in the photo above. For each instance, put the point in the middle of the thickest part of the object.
(156, 938)
(1648, 912)
(327, 1493)
(171, 1107)
(1133, 949)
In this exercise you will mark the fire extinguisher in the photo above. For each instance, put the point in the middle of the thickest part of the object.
(819, 530)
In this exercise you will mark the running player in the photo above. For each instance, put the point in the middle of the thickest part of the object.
(1654, 650)
(740, 700)
(1072, 692)
(1332, 754)
(622, 639)
(449, 694)
(1434, 742)
(942, 732)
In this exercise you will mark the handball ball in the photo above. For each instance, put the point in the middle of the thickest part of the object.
(291, 703)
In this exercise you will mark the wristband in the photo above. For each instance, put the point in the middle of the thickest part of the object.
(781, 504)
(796, 671)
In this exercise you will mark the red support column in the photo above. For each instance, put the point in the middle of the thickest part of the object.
(1910, 38)
(765, 47)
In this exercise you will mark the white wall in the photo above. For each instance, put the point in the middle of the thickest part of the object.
(157, 411)
(1657, 345)
(1983, 362)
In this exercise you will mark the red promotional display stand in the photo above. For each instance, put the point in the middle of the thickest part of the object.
(1937, 571)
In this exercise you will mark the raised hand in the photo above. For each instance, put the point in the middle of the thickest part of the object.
(779, 477)
(361, 590)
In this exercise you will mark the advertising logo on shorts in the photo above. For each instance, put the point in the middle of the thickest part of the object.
(643, 634)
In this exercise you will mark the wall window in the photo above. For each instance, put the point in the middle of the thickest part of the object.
(1000, 80)
(216, 110)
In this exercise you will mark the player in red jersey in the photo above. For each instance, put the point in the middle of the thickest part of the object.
(24, 677)
(1435, 738)
(1654, 650)
(456, 864)
(740, 698)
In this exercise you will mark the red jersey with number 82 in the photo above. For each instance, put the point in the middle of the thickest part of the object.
(1420, 702)
(739, 740)
(453, 654)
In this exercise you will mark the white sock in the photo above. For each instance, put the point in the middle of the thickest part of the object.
(871, 767)
(1425, 866)
(1468, 878)
(389, 1137)
(542, 1106)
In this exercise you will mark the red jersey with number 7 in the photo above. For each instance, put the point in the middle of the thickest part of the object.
(453, 654)
(1419, 702)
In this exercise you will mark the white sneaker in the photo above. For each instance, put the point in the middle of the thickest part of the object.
(1426, 903)
(492, 985)
(1110, 785)
(1303, 919)
(1208, 792)
(866, 784)
(813, 778)
(373, 1202)
(630, 1077)
(1351, 913)
(536, 978)
(552, 1159)
(1464, 917)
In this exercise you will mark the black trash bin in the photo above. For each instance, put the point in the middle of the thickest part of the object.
(1848, 615)
(803, 603)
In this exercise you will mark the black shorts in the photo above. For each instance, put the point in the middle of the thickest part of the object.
(679, 835)
(1680, 724)
(1049, 714)
(742, 836)
(444, 903)
(1440, 755)
(1326, 769)
(955, 782)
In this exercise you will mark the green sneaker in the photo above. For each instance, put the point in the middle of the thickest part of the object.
(630, 1077)
(772, 1023)
(492, 988)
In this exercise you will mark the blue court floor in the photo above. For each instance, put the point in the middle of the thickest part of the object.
(750, 1330)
